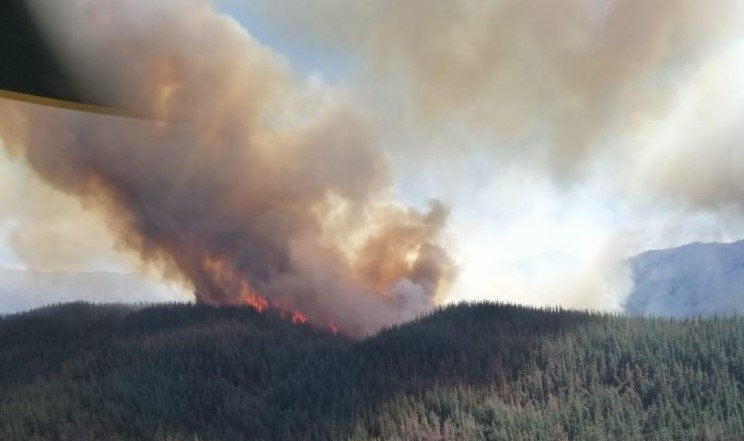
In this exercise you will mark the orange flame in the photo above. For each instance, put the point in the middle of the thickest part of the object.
(299, 318)
(256, 302)
(229, 279)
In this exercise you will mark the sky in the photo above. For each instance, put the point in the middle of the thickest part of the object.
(563, 137)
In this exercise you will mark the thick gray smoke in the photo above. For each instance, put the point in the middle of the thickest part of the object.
(573, 74)
(250, 186)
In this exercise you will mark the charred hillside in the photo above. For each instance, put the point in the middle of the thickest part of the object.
(467, 372)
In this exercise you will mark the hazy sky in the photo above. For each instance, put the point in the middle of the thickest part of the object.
(564, 136)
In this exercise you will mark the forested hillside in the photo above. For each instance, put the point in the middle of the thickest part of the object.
(470, 372)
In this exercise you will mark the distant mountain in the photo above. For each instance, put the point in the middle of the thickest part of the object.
(480, 372)
(696, 279)
(21, 290)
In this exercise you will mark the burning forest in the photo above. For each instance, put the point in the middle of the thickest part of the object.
(248, 185)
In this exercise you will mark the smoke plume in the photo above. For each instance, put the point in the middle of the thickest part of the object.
(253, 187)
(574, 71)
(638, 100)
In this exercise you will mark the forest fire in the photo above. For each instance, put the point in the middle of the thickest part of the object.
(260, 304)
(334, 329)
(256, 302)
(242, 198)
(298, 318)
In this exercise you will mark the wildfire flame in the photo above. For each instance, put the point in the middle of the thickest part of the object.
(256, 302)
(334, 329)
(298, 318)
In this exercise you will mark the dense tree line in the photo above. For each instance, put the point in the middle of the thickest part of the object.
(468, 372)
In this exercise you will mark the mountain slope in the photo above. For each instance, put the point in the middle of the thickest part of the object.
(468, 372)
(695, 279)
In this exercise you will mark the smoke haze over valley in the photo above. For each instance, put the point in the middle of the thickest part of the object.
(22, 290)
